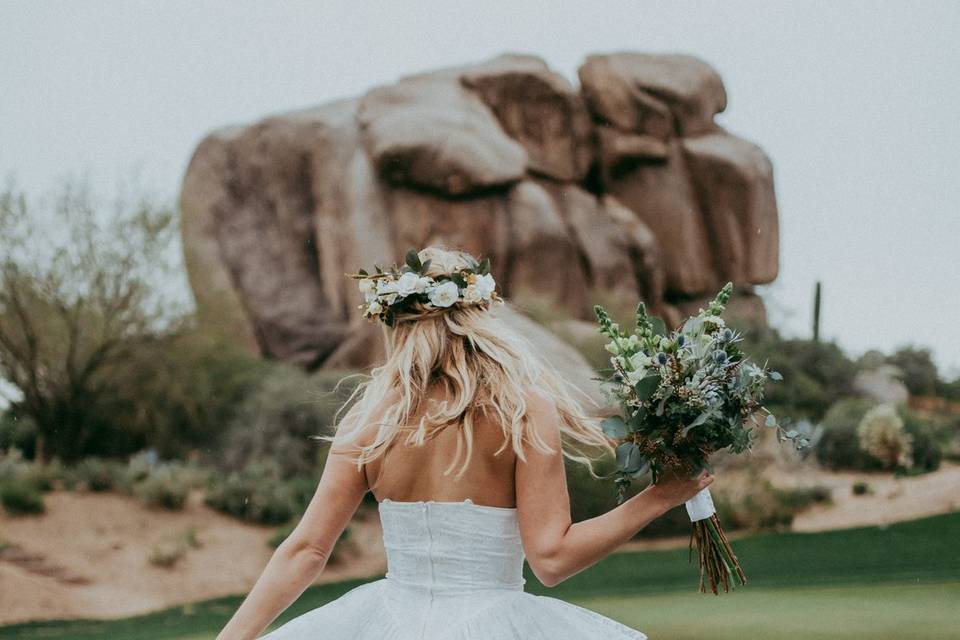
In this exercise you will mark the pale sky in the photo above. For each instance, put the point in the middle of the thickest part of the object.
(857, 103)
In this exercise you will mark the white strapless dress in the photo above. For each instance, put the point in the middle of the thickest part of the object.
(454, 572)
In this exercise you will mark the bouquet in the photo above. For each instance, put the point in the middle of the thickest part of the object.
(683, 396)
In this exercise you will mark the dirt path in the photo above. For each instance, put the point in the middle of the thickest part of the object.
(87, 557)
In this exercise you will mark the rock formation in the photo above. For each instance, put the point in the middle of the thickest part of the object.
(624, 185)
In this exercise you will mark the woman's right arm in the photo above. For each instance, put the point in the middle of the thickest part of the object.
(555, 547)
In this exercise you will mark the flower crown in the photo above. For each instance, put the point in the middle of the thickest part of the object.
(407, 289)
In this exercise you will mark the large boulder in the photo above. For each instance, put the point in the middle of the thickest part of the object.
(623, 187)
(539, 109)
(655, 94)
(434, 134)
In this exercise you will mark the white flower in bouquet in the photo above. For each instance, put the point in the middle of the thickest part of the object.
(374, 308)
(445, 294)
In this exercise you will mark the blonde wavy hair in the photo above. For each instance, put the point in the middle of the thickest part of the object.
(484, 368)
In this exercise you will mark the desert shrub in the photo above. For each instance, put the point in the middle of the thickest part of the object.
(257, 493)
(799, 498)
(183, 390)
(760, 505)
(861, 488)
(17, 432)
(919, 372)
(815, 374)
(42, 477)
(168, 553)
(930, 440)
(277, 420)
(20, 497)
(95, 474)
(839, 446)
(589, 496)
(165, 487)
(881, 434)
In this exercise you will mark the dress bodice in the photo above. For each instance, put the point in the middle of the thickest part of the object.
(452, 546)
(454, 572)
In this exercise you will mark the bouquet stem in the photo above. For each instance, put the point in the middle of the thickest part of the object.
(719, 566)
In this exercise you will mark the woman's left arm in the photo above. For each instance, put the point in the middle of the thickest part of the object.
(303, 555)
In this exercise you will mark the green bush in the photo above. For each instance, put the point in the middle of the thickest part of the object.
(861, 488)
(20, 497)
(815, 374)
(839, 446)
(277, 421)
(928, 440)
(95, 474)
(165, 487)
(589, 496)
(257, 493)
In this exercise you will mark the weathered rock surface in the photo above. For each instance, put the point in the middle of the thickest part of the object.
(624, 186)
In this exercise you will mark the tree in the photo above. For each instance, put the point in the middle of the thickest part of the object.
(79, 295)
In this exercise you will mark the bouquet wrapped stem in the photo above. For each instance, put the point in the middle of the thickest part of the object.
(719, 566)
(684, 395)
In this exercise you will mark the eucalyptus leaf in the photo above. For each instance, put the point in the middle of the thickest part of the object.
(629, 459)
(771, 421)
(637, 419)
(699, 420)
(647, 386)
(776, 375)
(642, 471)
(614, 427)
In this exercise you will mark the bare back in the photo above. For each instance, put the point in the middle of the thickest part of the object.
(414, 473)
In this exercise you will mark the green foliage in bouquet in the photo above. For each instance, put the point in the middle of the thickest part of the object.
(684, 395)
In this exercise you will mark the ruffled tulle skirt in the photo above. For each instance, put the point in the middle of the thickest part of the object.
(384, 610)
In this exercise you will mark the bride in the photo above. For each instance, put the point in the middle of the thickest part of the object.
(460, 435)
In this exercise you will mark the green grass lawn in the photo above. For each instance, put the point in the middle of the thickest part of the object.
(900, 582)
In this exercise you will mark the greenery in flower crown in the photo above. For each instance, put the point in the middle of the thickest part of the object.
(684, 394)
(408, 289)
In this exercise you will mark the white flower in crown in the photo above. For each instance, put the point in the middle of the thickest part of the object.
(424, 284)
(385, 287)
(486, 285)
(445, 294)
(472, 294)
(407, 284)
(367, 286)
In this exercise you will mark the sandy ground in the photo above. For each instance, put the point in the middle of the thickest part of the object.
(891, 499)
(87, 557)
